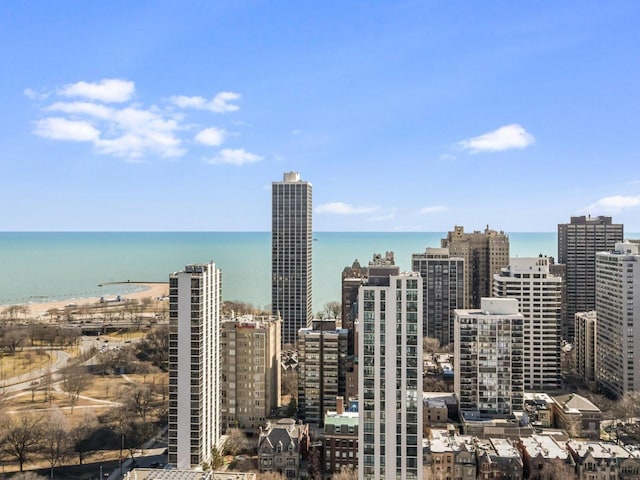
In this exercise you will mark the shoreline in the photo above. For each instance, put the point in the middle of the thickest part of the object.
(148, 289)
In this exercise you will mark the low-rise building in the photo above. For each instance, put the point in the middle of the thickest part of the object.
(603, 461)
(578, 416)
(539, 408)
(182, 474)
(544, 459)
(340, 439)
(448, 455)
(280, 447)
(498, 459)
(438, 408)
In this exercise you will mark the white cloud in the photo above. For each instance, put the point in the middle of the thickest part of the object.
(219, 103)
(613, 204)
(128, 132)
(432, 209)
(35, 95)
(340, 208)
(62, 129)
(108, 90)
(236, 156)
(504, 138)
(82, 108)
(447, 157)
(102, 114)
(211, 136)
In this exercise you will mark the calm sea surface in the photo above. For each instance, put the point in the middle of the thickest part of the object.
(39, 267)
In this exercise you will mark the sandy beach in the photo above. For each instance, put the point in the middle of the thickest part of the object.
(153, 290)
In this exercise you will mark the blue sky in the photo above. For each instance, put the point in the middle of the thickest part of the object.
(405, 116)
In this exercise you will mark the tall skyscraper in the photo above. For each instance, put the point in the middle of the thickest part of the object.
(484, 253)
(443, 291)
(390, 379)
(194, 364)
(250, 371)
(540, 302)
(578, 243)
(291, 241)
(488, 356)
(618, 319)
(322, 368)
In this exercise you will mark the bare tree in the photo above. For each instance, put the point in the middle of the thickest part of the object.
(22, 438)
(80, 436)
(289, 383)
(47, 384)
(13, 340)
(236, 441)
(346, 473)
(56, 440)
(332, 309)
(557, 469)
(75, 379)
(269, 476)
(141, 401)
(430, 345)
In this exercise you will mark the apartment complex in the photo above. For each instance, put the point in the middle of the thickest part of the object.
(291, 245)
(539, 295)
(443, 291)
(194, 364)
(322, 365)
(618, 313)
(489, 357)
(250, 371)
(578, 243)
(390, 378)
(484, 253)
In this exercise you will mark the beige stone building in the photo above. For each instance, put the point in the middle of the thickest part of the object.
(577, 415)
(484, 253)
(250, 371)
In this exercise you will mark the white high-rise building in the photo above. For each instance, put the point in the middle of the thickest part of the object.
(488, 357)
(618, 314)
(540, 302)
(291, 242)
(194, 369)
(390, 379)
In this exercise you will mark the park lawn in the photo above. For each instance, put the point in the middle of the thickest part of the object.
(22, 362)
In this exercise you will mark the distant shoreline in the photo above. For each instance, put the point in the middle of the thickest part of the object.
(148, 289)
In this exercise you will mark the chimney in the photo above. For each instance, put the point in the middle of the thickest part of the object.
(339, 405)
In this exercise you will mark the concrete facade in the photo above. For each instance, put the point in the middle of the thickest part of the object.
(194, 365)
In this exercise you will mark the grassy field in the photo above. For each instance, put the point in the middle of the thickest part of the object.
(23, 362)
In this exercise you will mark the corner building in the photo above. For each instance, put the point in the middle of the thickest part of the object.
(390, 379)
(291, 245)
(194, 365)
